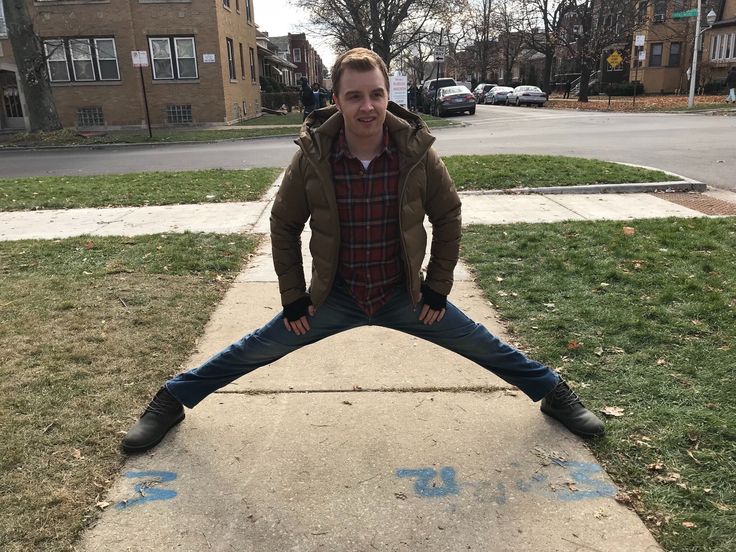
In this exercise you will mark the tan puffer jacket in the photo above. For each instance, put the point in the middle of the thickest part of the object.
(307, 191)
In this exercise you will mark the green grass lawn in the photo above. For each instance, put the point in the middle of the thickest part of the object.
(505, 171)
(135, 189)
(89, 328)
(647, 323)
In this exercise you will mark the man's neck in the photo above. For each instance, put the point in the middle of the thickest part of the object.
(362, 148)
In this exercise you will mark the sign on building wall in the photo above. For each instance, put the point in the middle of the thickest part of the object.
(398, 87)
(208, 58)
(140, 58)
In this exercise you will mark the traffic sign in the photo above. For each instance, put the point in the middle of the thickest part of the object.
(614, 60)
(140, 58)
(640, 39)
(439, 53)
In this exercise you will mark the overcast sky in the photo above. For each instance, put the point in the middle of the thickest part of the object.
(279, 17)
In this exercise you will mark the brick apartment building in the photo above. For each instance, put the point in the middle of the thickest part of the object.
(719, 43)
(304, 56)
(202, 62)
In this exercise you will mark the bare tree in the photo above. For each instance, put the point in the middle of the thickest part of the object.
(32, 75)
(542, 22)
(388, 27)
(481, 28)
(508, 25)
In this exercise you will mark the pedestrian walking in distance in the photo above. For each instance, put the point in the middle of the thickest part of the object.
(365, 176)
(731, 85)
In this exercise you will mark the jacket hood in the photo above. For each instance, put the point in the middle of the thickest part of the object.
(408, 132)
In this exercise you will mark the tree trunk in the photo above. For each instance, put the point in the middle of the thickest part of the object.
(548, 59)
(584, 80)
(32, 76)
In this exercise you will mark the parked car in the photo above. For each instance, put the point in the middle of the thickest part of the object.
(453, 99)
(428, 91)
(530, 95)
(480, 92)
(497, 95)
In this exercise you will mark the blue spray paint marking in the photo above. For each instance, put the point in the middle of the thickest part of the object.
(424, 476)
(144, 491)
(583, 473)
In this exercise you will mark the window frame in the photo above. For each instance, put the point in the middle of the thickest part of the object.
(242, 61)
(652, 56)
(48, 55)
(97, 56)
(174, 57)
(296, 55)
(249, 11)
(679, 54)
(252, 59)
(3, 22)
(230, 46)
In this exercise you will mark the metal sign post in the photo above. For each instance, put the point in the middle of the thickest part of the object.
(641, 56)
(140, 60)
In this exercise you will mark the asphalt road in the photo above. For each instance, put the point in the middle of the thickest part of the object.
(698, 146)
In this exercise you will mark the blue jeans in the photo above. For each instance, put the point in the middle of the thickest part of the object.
(340, 312)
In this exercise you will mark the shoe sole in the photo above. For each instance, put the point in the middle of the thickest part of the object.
(578, 433)
(148, 446)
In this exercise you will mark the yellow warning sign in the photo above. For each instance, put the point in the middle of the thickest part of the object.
(614, 60)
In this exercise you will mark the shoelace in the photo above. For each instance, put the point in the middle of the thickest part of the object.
(161, 404)
(564, 396)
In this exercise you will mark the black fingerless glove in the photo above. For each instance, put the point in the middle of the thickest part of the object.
(435, 301)
(294, 311)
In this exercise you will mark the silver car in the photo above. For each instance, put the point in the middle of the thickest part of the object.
(453, 99)
(529, 95)
(497, 95)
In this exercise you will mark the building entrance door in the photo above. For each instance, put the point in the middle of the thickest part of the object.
(10, 104)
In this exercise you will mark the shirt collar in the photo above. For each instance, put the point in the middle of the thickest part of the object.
(341, 148)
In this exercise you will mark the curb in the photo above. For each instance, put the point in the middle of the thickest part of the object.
(633, 188)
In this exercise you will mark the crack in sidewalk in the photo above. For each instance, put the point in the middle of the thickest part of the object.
(461, 389)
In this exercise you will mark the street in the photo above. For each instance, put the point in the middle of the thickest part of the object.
(698, 146)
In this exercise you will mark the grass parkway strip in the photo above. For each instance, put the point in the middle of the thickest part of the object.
(88, 326)
(641, 318)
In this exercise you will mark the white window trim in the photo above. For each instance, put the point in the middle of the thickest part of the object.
(3, 24)
(297, 54)
(97, 52)
(84, 42)
(153, 60)
(230, 47)
(194, 56)
(56, 42)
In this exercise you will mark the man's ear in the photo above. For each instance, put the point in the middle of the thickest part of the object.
(336, 101)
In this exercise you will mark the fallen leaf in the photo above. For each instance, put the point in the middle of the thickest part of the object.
(656, 466)
(673, 477)
(89, 245)
(614, 411)
(629, 231)
(77, 454)
(549, 305)
(571, 486)
(689, 524)
(661, 362)
(499, 279)
(102, 505)
(696, 322)
(598, 351)
(574, 345)
(721, 506)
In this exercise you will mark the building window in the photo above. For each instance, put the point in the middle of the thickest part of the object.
(242, 61)
(237, 6)
(91, 59)
(226, 3)
(249, 11)
(642, 12)
(179, 114)
(660, 11)
(655, 55)
(297, 53)
(3, 25)
(173, 58)
(230, 58)
(90, 117)
(252, 55)
(675, 54)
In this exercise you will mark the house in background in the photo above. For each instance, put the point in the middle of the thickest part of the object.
(202, 62)
(274, 62)
(303, 55)
(719, 43)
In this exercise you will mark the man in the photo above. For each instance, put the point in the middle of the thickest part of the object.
(365, 176)
(307, 99)
(731, 85)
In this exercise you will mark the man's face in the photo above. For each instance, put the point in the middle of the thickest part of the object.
(363, 100)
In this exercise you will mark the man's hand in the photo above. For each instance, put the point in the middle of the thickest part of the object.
(300, 326)
(433, 309)
(430, 316)
(295, 315)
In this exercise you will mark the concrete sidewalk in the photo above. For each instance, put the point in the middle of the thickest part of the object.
(369, 440)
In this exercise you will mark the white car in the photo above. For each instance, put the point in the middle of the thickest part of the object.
(529, 95)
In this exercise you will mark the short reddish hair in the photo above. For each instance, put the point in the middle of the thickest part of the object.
(357, 59)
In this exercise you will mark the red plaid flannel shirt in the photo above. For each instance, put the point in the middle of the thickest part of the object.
(368, 207)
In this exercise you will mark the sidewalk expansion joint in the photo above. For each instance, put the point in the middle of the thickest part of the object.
(357, 389)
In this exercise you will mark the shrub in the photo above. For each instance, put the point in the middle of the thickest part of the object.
(274, 100)
(624, 89)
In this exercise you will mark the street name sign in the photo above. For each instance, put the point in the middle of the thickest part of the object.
(683, 14)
